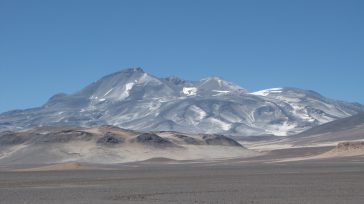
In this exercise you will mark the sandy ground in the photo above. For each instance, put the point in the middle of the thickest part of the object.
(272, 172)
(321, 182)
(55, 167)
(351, 149)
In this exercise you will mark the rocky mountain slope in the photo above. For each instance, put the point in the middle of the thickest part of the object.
(346, 129)
(328, 134)
(133, 99)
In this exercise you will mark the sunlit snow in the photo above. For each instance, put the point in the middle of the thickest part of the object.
(128, 87)
(189, 91)
(266, 92)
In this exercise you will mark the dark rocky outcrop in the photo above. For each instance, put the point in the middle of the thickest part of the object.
(350, 146)
(63, 136)
(110, 139)
(11, 139)
(154, 140)
(220, 140)
(40, 137)
(189, 140)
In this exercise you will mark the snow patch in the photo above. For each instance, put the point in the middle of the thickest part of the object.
(201, 114)
(93, 97)
(266, 92)
(281, 130)
(221, 124)
(220, 92)
(127, 88)
(301, 111)
(189, 91)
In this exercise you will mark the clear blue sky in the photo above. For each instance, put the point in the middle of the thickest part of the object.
(47, 47)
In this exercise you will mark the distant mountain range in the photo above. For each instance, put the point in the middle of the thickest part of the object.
(136, 100)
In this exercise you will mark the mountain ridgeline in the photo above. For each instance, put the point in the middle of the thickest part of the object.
(133, 99)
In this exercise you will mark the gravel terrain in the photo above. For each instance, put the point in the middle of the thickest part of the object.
(322, 181)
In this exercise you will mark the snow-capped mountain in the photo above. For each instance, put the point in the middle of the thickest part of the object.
(136, 100)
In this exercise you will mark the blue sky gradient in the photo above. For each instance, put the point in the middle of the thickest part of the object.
(47, 47)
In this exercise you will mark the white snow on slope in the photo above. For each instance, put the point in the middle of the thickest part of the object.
(128, 87)
(222, 125)
(280, 130)
(301, 111)
(266, 92)
(220, 92)
(189, 91)
(200, 113)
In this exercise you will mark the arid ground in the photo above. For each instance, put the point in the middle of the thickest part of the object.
(164, 181)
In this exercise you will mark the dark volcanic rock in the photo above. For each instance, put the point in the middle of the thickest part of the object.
(63, 136)
(45, 135)
(110, 139)
(220, 140)
(11, 139)
(189, 140)
(350, 145)
(153, 140)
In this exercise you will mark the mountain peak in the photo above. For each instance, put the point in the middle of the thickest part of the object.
(124, 73)
(132, 70)
(217, 83)
(213, 78)
(174, 79)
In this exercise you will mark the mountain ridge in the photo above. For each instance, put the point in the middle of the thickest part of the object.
(134, 99)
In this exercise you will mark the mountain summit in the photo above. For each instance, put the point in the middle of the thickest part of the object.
(134, 99)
